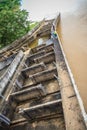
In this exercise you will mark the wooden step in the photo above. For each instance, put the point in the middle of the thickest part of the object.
(34, 50)
(42, 110)
(31, 58)
(33, 69)
(27, 94)
(43, 76)
(47, 58)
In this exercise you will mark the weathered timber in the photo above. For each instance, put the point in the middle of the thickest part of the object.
(44, 33)
(32, 75)
(42, 110)
(6, 61)
(4, 120)
(43, 76)
(47, 58)
(19, 84)
(47, 48)
(44, 30)
(4, 80)
(71, 107)
(34, 50)
(33, 69)
(72, 112)
(27, 94)
(31, 58)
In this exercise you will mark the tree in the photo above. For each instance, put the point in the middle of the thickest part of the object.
(10, 4)
(13, 21)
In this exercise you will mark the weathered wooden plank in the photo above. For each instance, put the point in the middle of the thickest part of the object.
(34, 50)
(47, 58)
(47, 48)
(4, 80)
(31, 58)
(27, 94)
(33, 69)
(42, 110)
(43, 76)
(72, 112)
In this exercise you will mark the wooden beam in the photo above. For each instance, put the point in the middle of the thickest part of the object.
(43, 76)
(34, 50)
(47, 48)
(30, 93)
(47, 58)
(33, 69)
(31, 58)
(71, 108)
(42, 110)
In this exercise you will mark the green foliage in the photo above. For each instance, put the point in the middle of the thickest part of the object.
(9, 4)
(32, 25)
(13, 21)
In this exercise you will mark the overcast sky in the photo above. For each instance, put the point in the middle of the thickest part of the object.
(39, 9)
